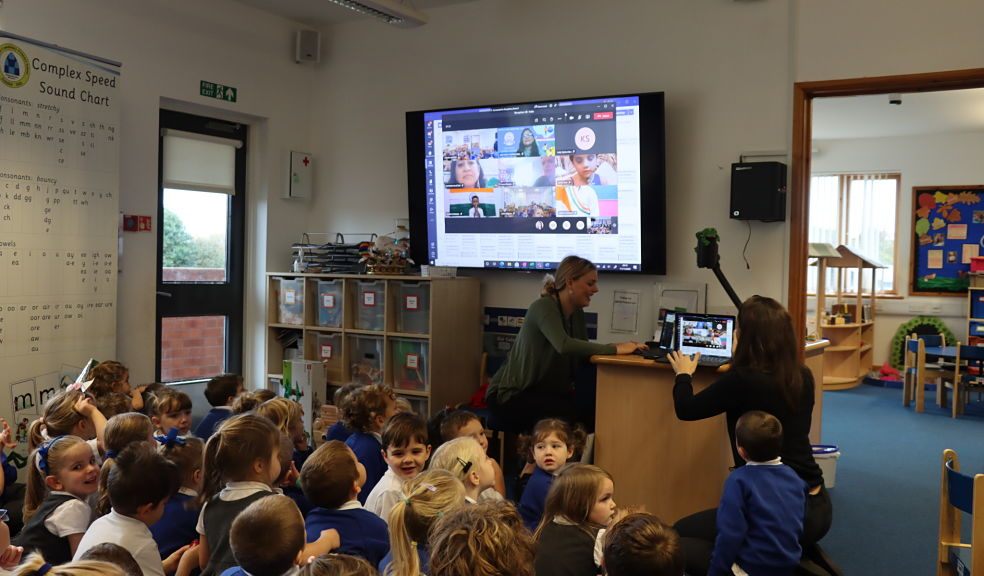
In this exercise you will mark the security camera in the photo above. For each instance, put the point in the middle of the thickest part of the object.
(895, 99)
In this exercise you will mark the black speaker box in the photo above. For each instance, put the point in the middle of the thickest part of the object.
(758, 191)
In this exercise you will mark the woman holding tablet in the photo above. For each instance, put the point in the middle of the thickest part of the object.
(537, 378)
(765, 375)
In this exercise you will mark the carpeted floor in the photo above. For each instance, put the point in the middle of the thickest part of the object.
(886, 498)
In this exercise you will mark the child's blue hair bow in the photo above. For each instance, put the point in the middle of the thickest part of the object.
(171, 440)
(42, 457)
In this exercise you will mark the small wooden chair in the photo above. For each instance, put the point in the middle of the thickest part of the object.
(960, 493)
(964, 380)
(914, 372)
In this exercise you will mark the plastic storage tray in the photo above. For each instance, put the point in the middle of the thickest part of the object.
(330, 303)
(418, 404)
(366, 359)
(370, 300)
(291, 302)
(413, 307)
(410, 365)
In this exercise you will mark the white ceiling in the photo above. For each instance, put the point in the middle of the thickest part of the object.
(919, 113)
(317, 13)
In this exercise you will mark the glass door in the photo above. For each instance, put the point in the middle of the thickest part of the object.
(201, 246)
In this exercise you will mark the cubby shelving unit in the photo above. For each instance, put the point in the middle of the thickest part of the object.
(422, 336)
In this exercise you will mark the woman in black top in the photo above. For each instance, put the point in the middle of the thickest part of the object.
(765, 375)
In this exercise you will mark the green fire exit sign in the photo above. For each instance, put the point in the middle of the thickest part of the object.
(218, 91)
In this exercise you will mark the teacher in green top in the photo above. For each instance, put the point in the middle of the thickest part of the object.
(537, 379)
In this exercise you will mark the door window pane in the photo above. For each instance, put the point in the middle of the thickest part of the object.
(192, 347)
(195, 244)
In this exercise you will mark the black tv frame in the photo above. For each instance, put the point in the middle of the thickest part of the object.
(652, 156)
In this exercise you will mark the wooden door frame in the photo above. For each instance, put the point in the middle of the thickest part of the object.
(803, 95)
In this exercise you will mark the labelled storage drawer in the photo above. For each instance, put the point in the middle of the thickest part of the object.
(328, 349)
(410, 364)
(330, 303)
(290, 299)
(417, 404)
(366, 359)
(413, 307)
(370, 300)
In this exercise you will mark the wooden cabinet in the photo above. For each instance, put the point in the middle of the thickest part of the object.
(849, 357)
(422, 336)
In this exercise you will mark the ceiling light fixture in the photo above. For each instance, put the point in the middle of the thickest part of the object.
(401, 14)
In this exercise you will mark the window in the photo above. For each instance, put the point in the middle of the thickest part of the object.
(859, 211)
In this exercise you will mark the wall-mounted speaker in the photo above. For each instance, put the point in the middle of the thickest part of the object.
(307, 46)
(758, 191)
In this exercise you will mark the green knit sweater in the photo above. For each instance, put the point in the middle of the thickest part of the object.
(546, 352)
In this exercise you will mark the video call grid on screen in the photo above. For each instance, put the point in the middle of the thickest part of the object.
(709, 335)
(545, 169)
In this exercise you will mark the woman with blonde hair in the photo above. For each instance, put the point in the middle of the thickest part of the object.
(537, 379)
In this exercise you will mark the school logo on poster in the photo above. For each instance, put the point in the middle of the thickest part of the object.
(16, 69)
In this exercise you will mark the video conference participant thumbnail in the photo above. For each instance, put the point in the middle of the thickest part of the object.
(475, 144)
(468, 173)
(472, 203)
(525, 141)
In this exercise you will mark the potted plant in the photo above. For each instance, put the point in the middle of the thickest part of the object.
(707, 248)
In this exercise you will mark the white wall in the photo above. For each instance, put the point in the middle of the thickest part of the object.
(924, 160)
(720, 101)
(167, 47)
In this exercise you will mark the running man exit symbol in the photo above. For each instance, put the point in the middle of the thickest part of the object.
(218, 91)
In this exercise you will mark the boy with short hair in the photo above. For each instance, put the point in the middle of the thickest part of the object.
(641, 545)
(139, 486)
(220, 392)
(760, 517)
(331, 479)
(464, 423)
(405, 450)
(365, 413)
(267, 538)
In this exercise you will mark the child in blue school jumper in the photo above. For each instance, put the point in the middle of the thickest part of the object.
(365, 413)
(338, 430)
(552, 444)
(760, 517)
(177, 527)
(332, 479)
(220, 392)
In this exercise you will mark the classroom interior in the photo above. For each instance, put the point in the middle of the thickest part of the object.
(728, 70)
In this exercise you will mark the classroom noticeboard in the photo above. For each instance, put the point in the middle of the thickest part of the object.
(59, 221)
(948, 230)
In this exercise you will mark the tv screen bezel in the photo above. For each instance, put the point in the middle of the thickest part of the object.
(652, 160)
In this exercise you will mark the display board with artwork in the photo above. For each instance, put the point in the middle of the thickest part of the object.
(948, 231)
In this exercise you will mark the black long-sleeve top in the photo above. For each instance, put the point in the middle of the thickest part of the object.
(739, 391)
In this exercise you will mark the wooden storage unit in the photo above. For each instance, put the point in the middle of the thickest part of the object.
(850, 355)
(422, 336)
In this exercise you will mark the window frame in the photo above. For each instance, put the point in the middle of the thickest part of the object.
(843, 191)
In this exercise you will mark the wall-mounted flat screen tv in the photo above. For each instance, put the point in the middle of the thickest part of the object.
(521, 186)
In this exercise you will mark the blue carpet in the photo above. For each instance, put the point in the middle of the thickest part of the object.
(886, 499)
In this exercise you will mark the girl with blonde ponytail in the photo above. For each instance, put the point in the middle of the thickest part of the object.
(425, 499)
(69, 413)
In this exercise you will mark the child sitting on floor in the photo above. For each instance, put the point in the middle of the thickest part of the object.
(139, 485)
(267, 538)
(552, 444)
(459, 423)
(641, 545)
(171, 408)
(760, 517)
(221, 392)
(332, 478)
(464, 458)
(365, 413)
(177, 526)
(405, 451)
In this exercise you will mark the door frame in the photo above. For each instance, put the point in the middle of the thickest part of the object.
(799, 214)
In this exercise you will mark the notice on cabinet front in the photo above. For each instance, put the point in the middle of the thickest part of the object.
(59, 205)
